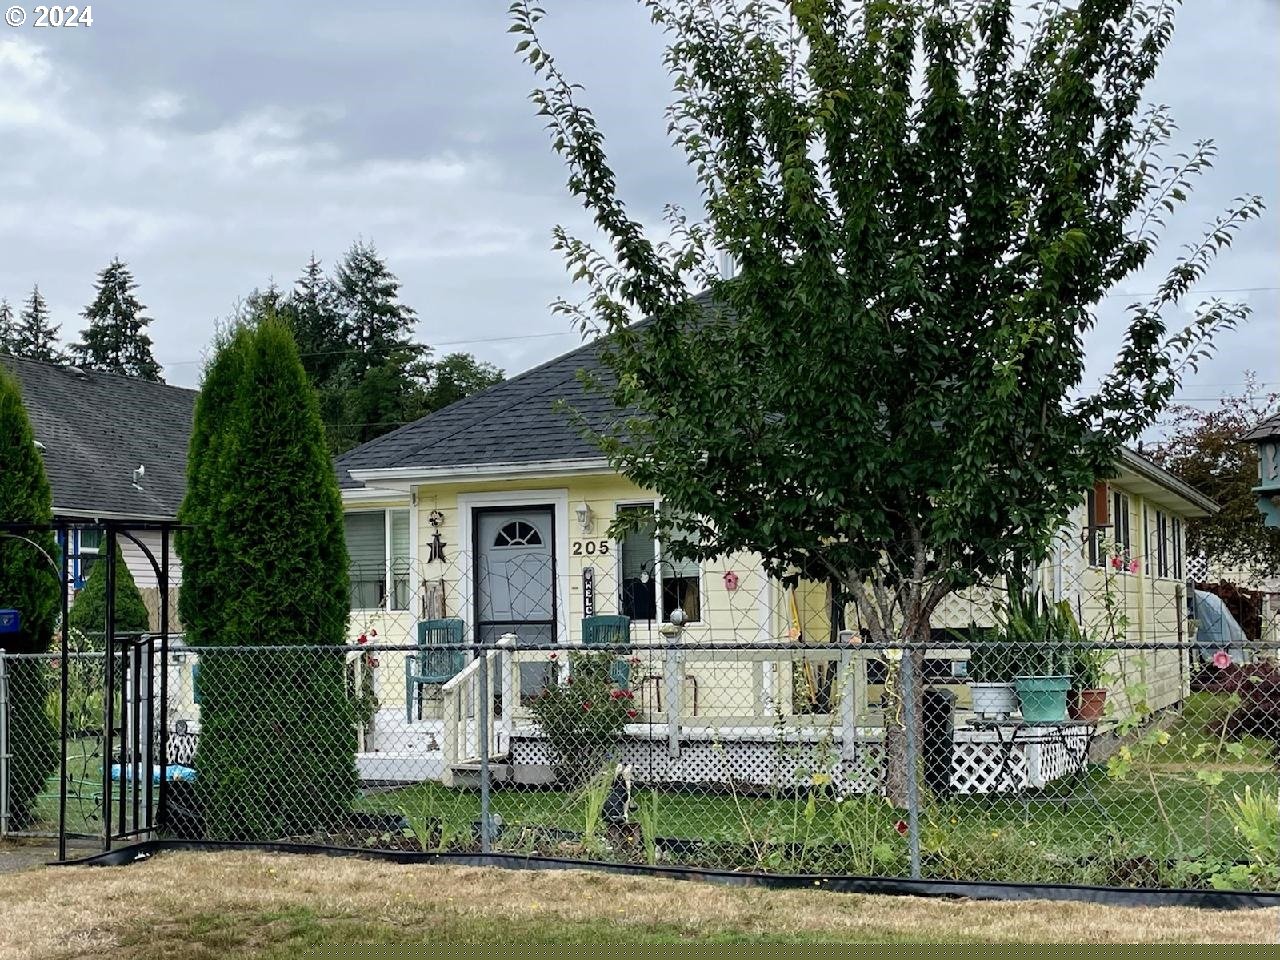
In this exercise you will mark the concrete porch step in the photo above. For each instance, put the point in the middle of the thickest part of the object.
(467, 775)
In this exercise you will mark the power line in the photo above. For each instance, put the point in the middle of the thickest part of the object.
(439, 343)
(1152, 293)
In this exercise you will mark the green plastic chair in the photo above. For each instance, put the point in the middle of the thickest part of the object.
(433, 666)
(608, 629)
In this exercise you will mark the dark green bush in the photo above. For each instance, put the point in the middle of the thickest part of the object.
(89, 612)
(29, 583)
(276, 754)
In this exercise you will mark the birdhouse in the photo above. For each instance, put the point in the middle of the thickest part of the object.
(1266, 436)
(730, 581)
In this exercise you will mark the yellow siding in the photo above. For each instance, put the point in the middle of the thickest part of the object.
(758, 610)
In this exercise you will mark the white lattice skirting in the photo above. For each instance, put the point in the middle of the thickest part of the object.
(980, 763)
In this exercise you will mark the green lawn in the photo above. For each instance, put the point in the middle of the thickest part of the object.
(1130, 826)
(84, 791)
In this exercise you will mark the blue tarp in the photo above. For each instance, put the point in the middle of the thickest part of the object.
(175, 772)
(1217, 629)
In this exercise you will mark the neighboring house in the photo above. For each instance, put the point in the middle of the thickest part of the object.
(115, 448)
(496, 510)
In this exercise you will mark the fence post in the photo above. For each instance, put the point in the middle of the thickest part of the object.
(482, 718)
(674, 682)
(507, 669)
(4, 746)
(913, 759)
(848, 705)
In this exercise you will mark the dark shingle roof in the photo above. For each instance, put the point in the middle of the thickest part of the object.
(97, 428)
(1267, 428)
(516, 421)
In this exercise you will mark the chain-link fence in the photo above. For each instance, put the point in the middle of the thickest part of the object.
(745, 756)
(1082, 727)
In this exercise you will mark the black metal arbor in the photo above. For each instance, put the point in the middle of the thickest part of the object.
(134, 731)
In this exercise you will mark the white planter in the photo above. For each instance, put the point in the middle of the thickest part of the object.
(994, 701)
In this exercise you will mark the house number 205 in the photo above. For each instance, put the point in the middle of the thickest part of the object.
(590, 548)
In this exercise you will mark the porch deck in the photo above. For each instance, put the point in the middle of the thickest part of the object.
(748, 755)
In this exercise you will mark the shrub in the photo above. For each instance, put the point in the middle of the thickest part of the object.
(29, 583)
(89, 612)
(583, 717)
(1255, 688)
(276, 755)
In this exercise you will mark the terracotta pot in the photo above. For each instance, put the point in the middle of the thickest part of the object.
(1087, 705)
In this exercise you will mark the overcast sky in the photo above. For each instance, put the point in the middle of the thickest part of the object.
(215, 145)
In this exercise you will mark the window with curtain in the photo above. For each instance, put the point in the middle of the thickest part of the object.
(653, 585)
(1093, 532)
(378, 548)
(1162, 544)
(1120, 525)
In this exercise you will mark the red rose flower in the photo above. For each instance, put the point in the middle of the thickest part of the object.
(362, 639)
(373, 661)
(631, 714)
(901, 827)
(1222, 659)
(586, 705)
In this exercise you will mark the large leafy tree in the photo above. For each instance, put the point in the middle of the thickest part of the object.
(456, 376)
(116, 338)
(35, 336)
(277, 742)
(926, 202)
(29, 583)
(1203, 447)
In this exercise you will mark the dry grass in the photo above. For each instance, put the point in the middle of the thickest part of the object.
(258, 905)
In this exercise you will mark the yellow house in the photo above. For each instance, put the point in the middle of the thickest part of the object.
(495, 512)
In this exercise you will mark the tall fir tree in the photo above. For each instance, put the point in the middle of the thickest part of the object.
(29, 583)
(275, 573)
(318, 324)
(35, 335)
(384, 370)
(7, 324)
(116, 338)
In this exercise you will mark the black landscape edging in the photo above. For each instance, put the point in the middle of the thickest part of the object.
(966, 889)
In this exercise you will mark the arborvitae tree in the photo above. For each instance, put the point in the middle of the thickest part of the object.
(116, 339)
(199, 604)
(35, 337)
(7, 331)
(277, 746)
(89, 612)
(29, 583)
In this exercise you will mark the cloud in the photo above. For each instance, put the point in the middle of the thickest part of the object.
(216, 146)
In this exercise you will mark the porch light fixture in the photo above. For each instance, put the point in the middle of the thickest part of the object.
(583, 512)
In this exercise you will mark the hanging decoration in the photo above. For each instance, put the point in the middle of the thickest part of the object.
(435, 550)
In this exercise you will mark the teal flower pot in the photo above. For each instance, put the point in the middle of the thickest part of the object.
(1043, 699)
